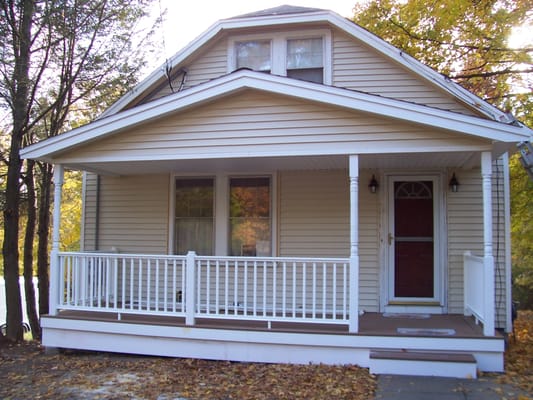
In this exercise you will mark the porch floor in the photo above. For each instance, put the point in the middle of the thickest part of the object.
(370, 324)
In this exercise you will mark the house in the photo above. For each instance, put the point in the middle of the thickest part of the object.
(290, 188)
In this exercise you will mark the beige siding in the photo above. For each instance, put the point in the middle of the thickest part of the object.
(465, 233)
(209, 64)
(266, 124)
(89, 212)
(358, 67)
(133, 214)
(314, 220)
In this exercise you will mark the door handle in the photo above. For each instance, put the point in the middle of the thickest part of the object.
(391, 238)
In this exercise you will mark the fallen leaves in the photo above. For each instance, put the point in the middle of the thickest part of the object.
(519, 354)
(30, 373)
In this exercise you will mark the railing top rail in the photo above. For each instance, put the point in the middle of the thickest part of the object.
(468, 255)
(205, 258)
(274, 259)
(120, 255)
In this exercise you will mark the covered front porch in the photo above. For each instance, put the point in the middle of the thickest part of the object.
(267, 309)
(271, 308)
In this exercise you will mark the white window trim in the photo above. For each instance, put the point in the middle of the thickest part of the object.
(221, 228)
(278, 50)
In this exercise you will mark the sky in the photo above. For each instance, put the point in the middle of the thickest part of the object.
(185, 20)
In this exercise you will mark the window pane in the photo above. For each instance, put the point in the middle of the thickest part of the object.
(304, 53)
(194, 216)
(250, 232)
(254, 55)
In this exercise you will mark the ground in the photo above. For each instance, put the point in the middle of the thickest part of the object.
(27, 372)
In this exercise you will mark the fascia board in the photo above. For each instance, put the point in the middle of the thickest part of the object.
(357, 101)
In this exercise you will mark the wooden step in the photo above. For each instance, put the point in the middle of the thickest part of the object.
(453, 365)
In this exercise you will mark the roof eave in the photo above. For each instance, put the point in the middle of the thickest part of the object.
(357, 101)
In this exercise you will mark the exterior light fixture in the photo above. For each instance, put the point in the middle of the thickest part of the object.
(454, 184)
(373, 185)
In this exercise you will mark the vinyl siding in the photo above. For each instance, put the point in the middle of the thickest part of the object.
(465, 233)
(89, 212)
(210, 63)
(133, 214)
(314, 220)
(261, 124)
(357, 67)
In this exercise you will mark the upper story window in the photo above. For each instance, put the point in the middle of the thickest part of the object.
(305, 59)
(254, 54)
(305, 56)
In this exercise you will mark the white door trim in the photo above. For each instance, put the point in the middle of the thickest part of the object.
(438, 303)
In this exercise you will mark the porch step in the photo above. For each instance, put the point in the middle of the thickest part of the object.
(452, 365)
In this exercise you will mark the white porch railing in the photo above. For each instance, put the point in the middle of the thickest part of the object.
(243, 288)
(478, 292)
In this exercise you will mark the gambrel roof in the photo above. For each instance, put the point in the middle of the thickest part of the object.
(488, 123)
(300, 15)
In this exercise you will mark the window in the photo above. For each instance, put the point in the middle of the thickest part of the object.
(194, 213)
(254, 54)
(306, 56)
(305, 59)
(250, 223)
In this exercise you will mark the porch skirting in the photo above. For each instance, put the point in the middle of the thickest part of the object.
(256, 344)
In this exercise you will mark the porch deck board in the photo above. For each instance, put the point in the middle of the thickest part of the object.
(370, 324)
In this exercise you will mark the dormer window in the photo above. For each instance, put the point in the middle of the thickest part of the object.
(254, 54)
(305, 56)
(305, 59)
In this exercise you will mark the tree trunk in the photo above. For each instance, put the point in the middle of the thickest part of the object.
(20, 111)
(43, 237)
(29, 239)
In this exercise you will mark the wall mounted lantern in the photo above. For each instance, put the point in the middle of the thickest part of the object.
(454, 184)
(373, 185)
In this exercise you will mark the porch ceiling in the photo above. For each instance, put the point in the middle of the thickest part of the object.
(259, 164)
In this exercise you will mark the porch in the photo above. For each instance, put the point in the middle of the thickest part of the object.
(266, 309)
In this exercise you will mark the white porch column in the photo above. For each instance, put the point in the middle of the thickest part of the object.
(190, 288)
(54, 256)
(354, 244)
(486, 174)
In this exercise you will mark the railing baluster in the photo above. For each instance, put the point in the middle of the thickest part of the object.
(314, 291)
(265, 272)
(304, 289)
(140, 295)
(284, 291)
(245, 288)
(208, 287)
(324, 290)
(165, 290)
(254, 299)
(294, 289)
(217, 286)
(274, 287)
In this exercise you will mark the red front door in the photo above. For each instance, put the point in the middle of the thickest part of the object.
(413, 240)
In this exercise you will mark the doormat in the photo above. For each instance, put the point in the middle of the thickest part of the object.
(407, 315)
(426, 332)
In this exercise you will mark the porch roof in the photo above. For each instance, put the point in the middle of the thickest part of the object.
(496, 132)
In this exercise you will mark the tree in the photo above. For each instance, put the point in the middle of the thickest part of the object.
(468, 41)
(55, 54)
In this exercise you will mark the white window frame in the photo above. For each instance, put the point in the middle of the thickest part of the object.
(278, 49)
(221, 223)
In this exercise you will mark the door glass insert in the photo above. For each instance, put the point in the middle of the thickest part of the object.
(413, 239)
(194, 215)
(250, 222)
